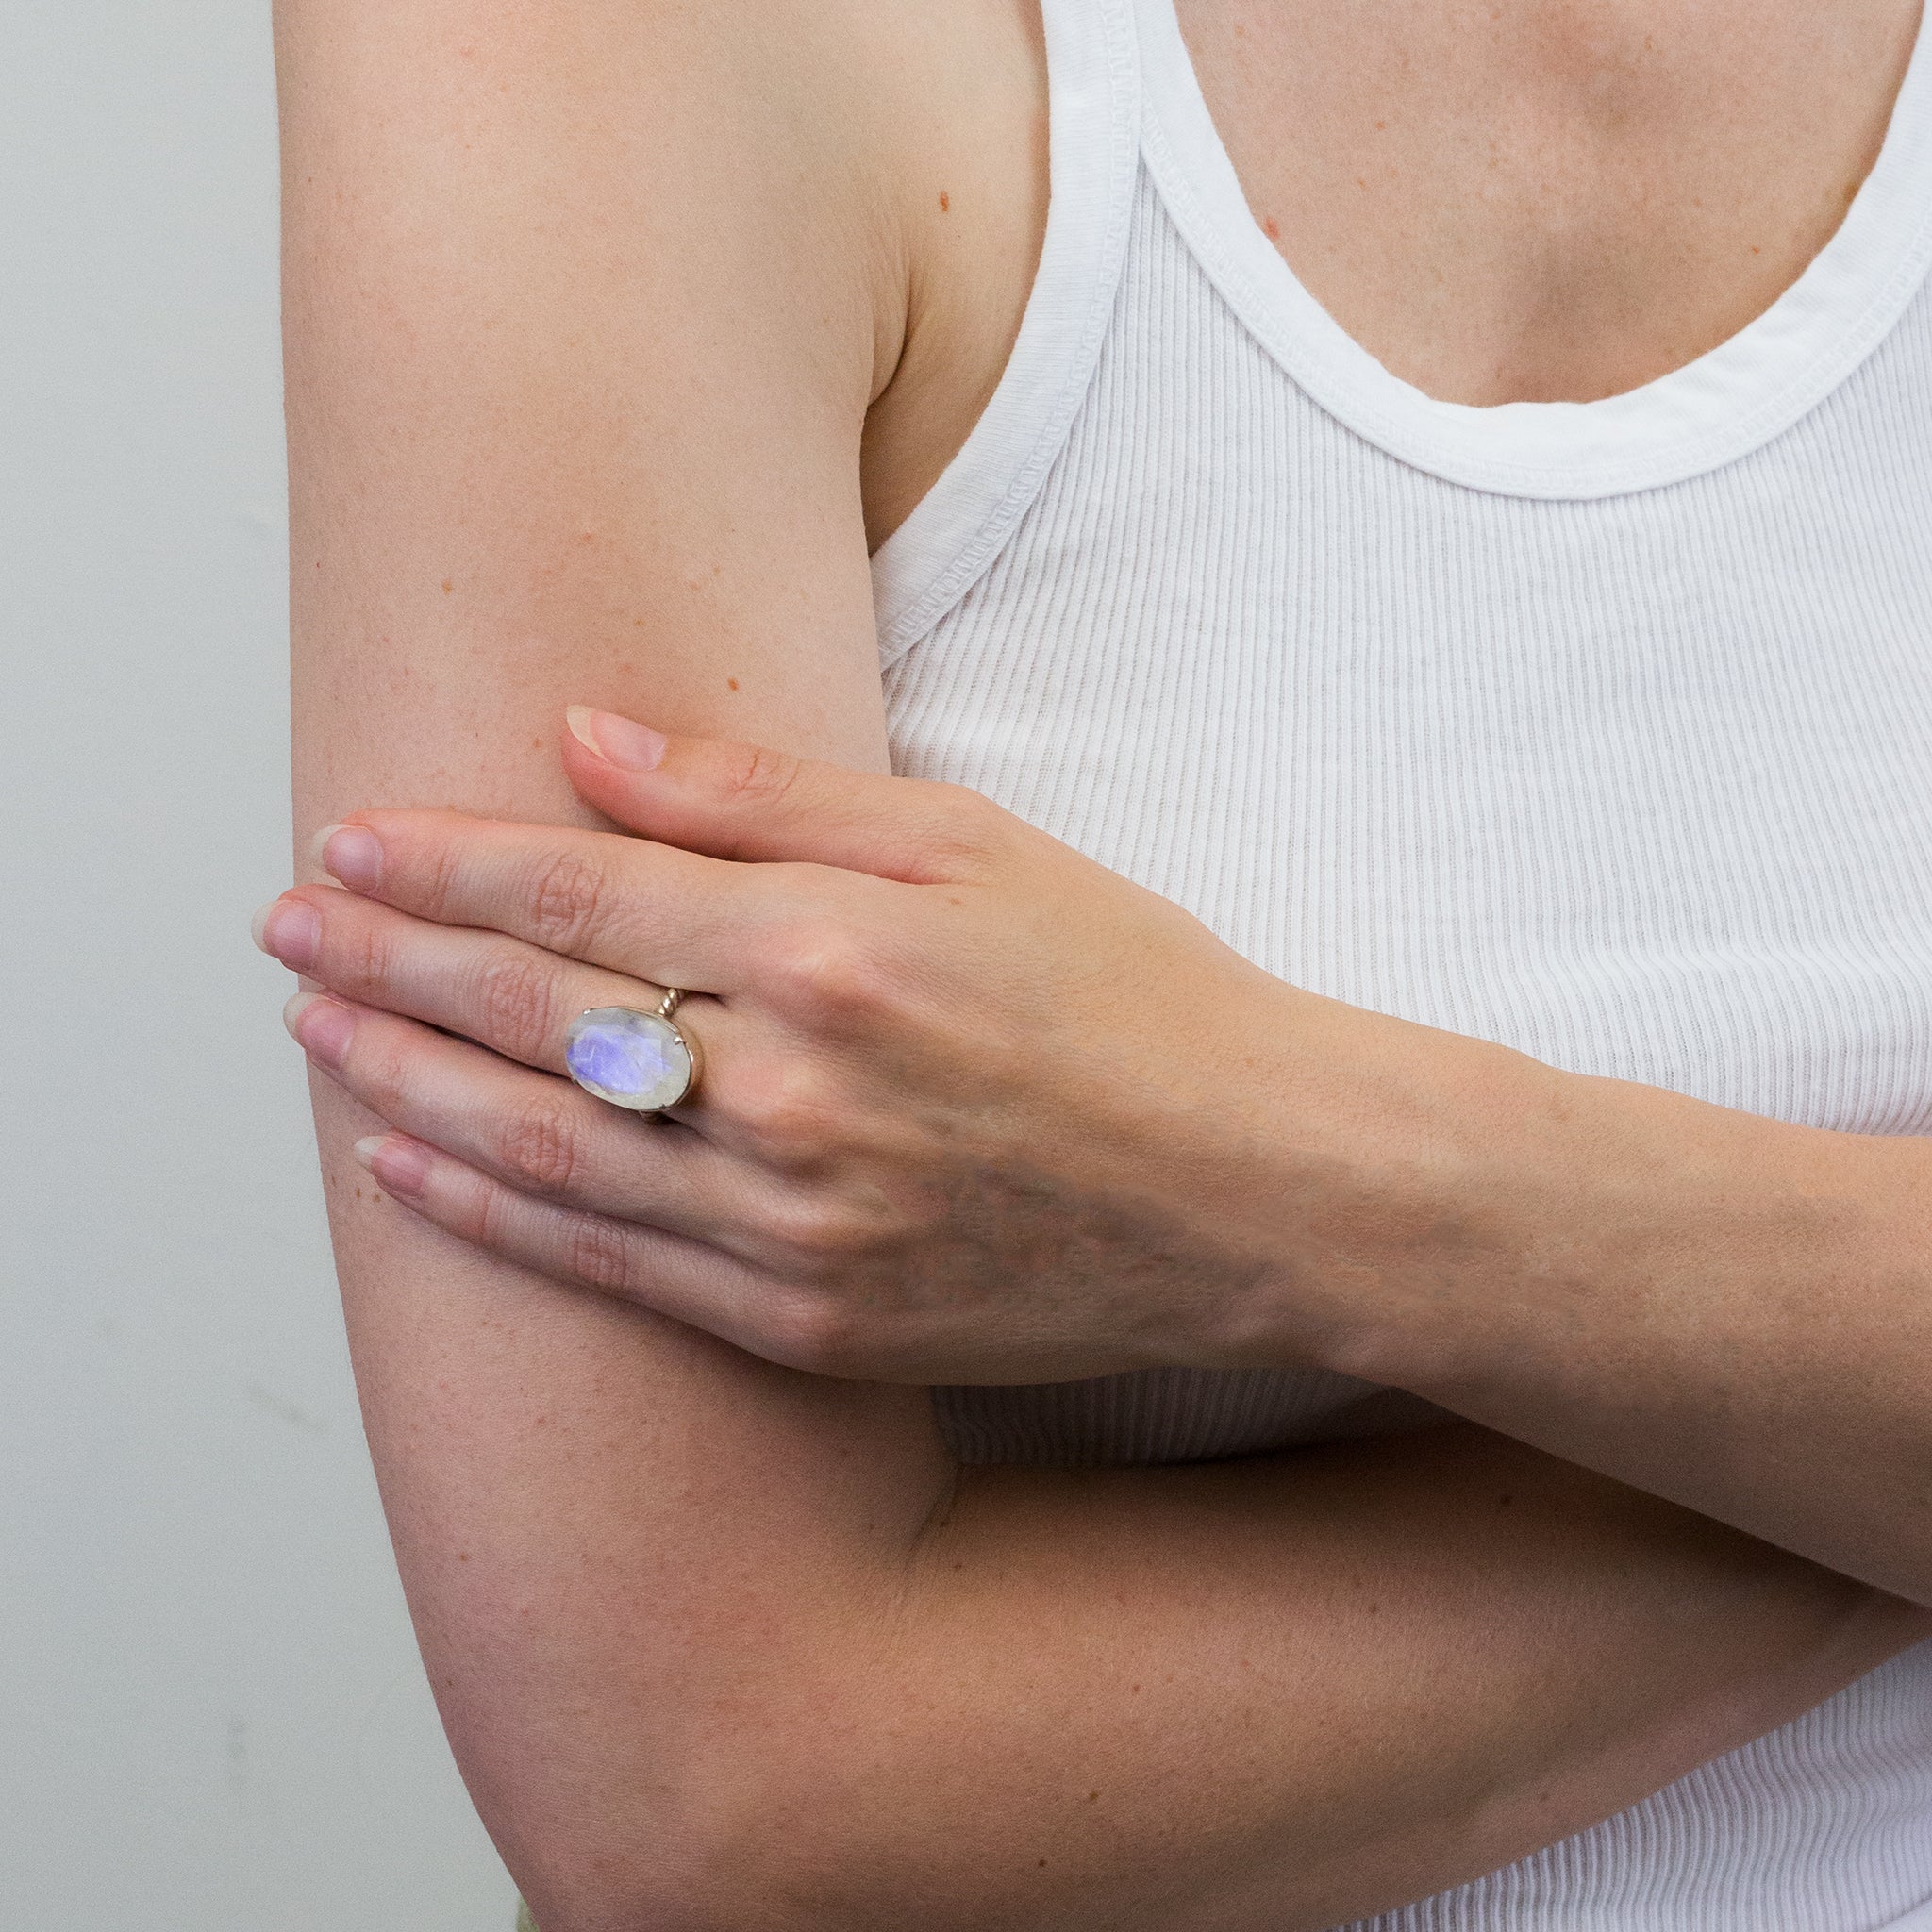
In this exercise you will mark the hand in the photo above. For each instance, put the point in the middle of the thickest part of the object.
(973, 1108)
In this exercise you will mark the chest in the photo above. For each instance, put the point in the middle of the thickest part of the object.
(1642, 787)
(1521, 200)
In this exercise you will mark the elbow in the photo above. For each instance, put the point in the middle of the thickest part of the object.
(753, 1837)
(869, 1838)
(645, 1876)
(609, 1887)
(697, 1894)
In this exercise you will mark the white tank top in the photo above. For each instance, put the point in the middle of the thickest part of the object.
(1603, 730)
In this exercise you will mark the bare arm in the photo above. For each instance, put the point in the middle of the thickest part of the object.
(586, 306)
(1727, 1309)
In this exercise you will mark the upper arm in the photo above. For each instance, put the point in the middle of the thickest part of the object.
(583, 303)
(584, 309)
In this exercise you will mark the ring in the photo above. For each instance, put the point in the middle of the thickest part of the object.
(631, 1057)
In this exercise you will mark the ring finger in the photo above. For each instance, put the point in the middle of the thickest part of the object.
(538, 1134)
(503, 993)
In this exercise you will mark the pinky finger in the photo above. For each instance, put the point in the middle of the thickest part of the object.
(667, 1273)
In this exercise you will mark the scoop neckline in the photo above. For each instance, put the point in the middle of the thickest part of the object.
(1708, 412)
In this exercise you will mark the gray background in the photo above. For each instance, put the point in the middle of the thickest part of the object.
(212, 1718)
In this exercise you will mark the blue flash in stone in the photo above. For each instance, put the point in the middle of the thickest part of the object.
(628, 1058)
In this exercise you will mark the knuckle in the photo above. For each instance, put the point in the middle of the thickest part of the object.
(441, 873)
(757, 777)
(820, 1238)
(380, 1072)
(815, 1332)
(785, 1112)
(484, 1220)
(823, 972)
(541, 1147)
(951, 833)
(975, 827)
(516, 996)
(568, 901)
(362, 961)
(598, 1252)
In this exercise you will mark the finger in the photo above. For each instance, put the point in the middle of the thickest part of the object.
(646, 910)
(682, 1278)
(532, 1131)
(506, 995)
(747, 801)
(519, 1001)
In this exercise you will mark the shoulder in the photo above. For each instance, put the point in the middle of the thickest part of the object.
(827, 206)
(720, 139)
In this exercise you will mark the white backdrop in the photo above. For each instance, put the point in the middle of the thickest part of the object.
(212, 1718)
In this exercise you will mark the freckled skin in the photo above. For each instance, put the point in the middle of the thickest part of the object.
(741, 1520)
(1562, 198)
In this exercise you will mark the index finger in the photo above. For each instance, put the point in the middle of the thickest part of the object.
(653, 911)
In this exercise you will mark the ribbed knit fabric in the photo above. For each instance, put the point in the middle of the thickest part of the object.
(1601, 730)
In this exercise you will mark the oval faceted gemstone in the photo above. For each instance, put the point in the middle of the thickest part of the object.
(628, 1058)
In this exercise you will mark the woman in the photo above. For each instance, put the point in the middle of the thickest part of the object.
(1393, 1137)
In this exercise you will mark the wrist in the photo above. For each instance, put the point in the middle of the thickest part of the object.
(1531, 1231)
(1389, 1176)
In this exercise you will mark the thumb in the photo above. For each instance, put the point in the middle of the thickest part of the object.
(748, 802)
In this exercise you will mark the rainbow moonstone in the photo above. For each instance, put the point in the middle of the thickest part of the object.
(628, 1058)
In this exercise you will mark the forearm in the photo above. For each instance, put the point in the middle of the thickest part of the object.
(713, 1652)
(1753, 1302)
(1244, 1697)
(1724, 1309)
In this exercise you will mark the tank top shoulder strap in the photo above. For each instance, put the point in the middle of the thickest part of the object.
(1093, 89)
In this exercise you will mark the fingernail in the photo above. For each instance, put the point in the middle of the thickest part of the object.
(291, 932)
(621, 741)
(352, 852)
(322, 1028)
(401, 1166)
